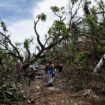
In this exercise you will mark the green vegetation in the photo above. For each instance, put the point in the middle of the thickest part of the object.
(76, 41)
(81, 57)
(10, 93)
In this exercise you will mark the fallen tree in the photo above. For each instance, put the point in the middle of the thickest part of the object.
(100, 63)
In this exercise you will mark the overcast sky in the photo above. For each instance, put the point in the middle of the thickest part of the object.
(20, 14)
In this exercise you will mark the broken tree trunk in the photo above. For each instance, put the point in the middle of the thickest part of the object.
(100, 63)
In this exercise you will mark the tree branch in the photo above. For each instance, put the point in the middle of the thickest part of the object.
(95, 37)
(38, 36)
(53, 44)
(73, 15)
(29, 54)
(28, 63)
(9, 41)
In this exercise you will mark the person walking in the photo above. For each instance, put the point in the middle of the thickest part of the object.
(50, 73)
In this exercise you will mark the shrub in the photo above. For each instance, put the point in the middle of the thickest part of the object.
(81, 57)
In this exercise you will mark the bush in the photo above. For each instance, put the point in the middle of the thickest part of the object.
(10, 94)
(81, 57)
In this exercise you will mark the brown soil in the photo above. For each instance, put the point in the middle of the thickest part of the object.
(40, 94)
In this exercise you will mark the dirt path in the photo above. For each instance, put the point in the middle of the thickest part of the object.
(40, 94)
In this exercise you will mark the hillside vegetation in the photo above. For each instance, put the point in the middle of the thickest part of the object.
(75, 40)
